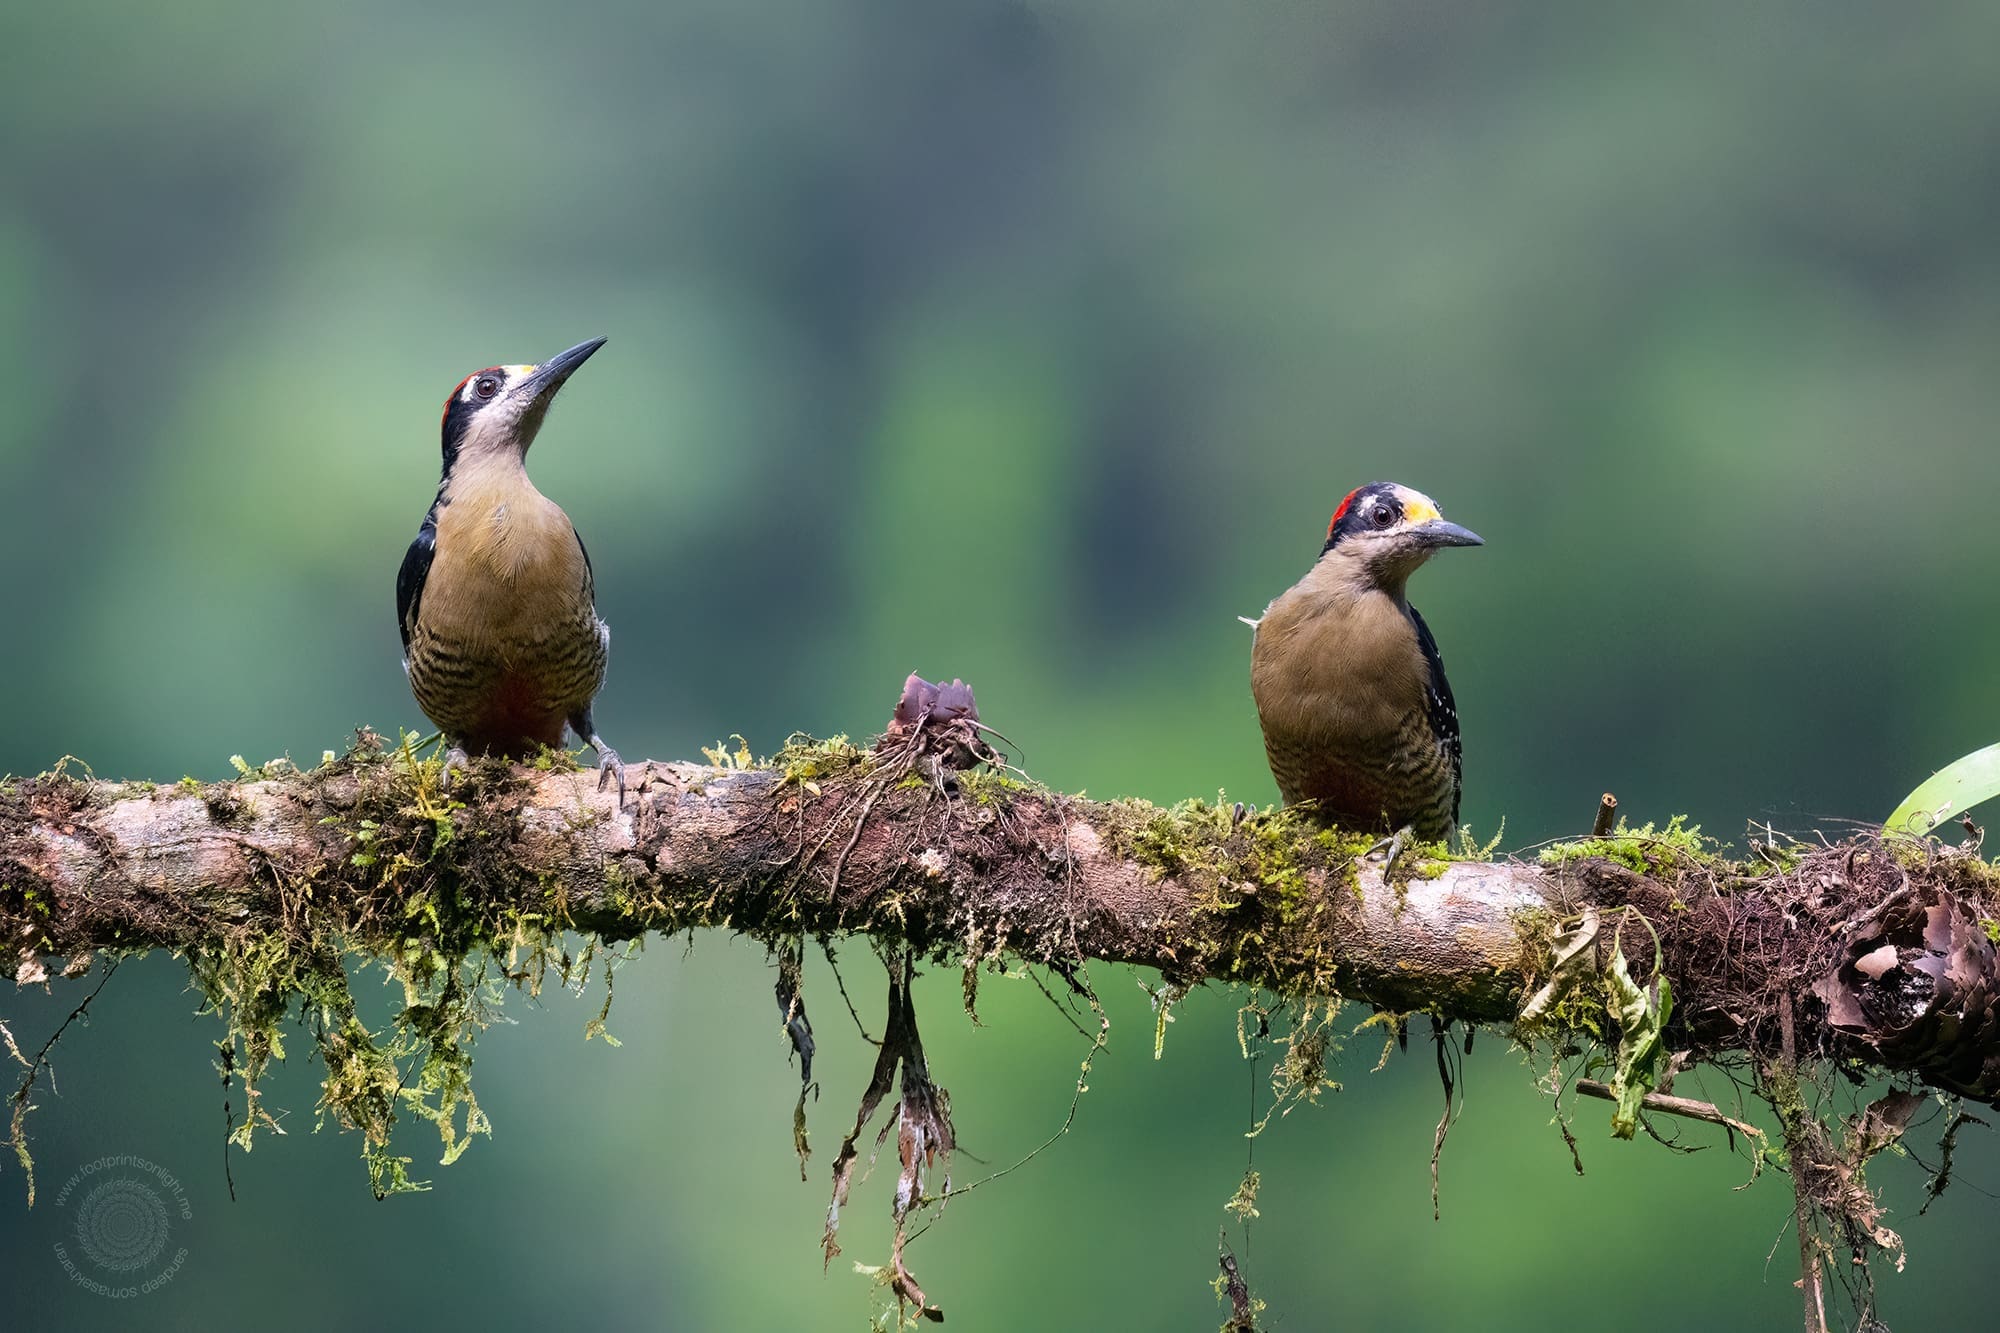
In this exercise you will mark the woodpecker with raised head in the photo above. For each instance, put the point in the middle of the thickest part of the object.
(496, 597)
(1358, 718)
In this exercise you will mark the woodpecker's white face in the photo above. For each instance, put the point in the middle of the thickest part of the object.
(499, 410)
(488, 385)
(1388, 530)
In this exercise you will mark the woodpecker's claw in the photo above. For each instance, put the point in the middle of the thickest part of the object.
(455, 761)
(1395, 843)
(609, 765)
(1237, 814)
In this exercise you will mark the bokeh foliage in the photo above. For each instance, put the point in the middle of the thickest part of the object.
(1031, 343)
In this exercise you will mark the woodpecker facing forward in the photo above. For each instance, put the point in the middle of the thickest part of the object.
(495, 598)
(1357, 715)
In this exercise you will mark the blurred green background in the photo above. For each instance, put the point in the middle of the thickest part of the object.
(1030, 343)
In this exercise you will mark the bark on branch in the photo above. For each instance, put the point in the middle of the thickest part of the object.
(1885, 948)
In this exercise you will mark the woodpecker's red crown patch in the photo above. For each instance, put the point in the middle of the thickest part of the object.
(1341, 512)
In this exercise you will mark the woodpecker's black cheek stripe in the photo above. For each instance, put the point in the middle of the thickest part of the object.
(444, 422)
(458, 413)
(457, 420)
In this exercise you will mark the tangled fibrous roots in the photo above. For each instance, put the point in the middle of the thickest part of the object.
(922, 1126)
(1917, 985)
(1819, 960)
(1895, 970)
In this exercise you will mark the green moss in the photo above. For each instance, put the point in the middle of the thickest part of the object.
(1786, 1095)
(1272, 876)
(1183, 838)
(620, 891)
(1784, 857)
(420, 881)
(721, 756)
(555, 761)
(1471, 849)
(280, 767)
(1271, 859)
(1243, 1203)
(987, 786)
(1422, 867)
(428, 889)
(1580, 1014)
(804, 761)
(1645, 849)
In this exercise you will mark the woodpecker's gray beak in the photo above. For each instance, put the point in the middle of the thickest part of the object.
(1437, 532)
(541, 386)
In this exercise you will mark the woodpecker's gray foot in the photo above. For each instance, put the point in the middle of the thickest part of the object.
(609, 766)
(1238, 813)
(455, 761)
(1395, 843)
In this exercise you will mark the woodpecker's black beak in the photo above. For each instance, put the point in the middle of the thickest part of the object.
(1437, 532)
(541, 386)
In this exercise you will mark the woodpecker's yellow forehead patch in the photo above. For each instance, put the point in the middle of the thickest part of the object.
(519, 372)
(1417, 507)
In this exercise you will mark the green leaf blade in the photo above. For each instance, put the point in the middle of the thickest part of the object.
(1642, 1013)
(1956, 787)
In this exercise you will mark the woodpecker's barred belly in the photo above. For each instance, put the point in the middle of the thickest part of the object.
(1381, 784)
(501, 635)
(510, 694)
(1351, 722)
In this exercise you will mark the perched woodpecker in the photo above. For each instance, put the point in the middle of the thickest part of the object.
(495, 598)
(1357, 715)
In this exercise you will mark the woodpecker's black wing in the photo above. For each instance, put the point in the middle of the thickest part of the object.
(589, 574)
(1441, 708)
(410, 578)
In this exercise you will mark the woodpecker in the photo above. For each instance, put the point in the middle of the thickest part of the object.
(496, 598)
(1351, 694)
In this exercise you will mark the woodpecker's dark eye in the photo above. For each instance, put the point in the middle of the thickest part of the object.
(487, 386)
(1384, 516)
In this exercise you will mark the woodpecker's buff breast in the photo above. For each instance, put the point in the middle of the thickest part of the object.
(1357, 715)
(496, 597)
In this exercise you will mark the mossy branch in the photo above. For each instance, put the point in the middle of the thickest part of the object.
(366, 854)
(1641, 950)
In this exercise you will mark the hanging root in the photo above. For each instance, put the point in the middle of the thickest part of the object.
(1453, 1103)
(1231, 1287)
(798, 1028)
(922, 1124)
(17, 1132)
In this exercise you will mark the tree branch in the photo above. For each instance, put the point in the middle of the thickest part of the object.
(828, 839)
(1862, 950)
(1685, 1107)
